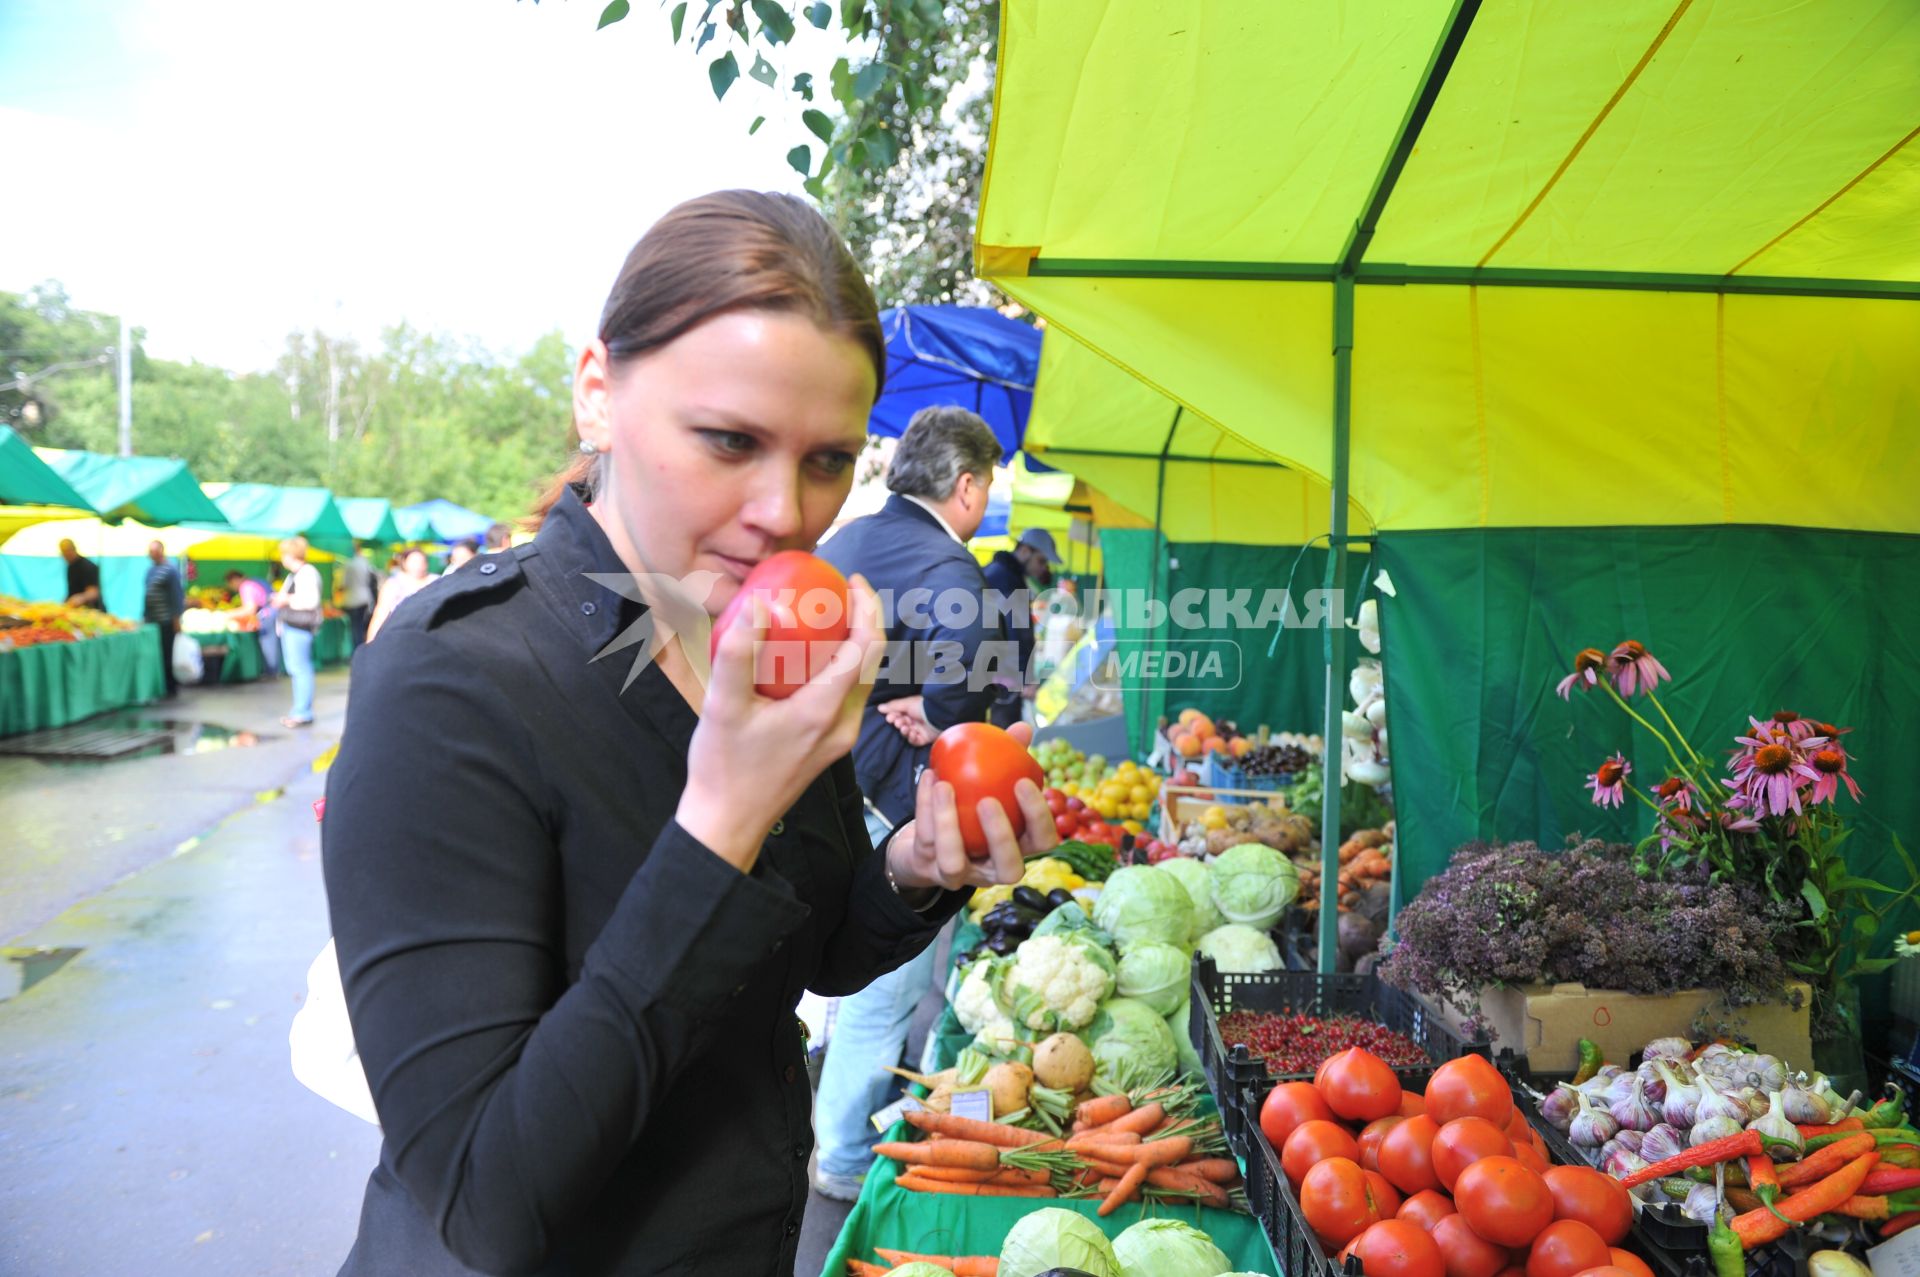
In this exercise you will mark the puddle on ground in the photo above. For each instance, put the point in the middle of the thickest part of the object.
(29, 967)
(132, 734)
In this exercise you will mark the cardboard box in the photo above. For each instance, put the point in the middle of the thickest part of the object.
(1546, 1022)
(1182, 803)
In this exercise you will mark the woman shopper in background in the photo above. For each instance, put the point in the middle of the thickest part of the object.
(399, 587)
(298, 603)
(572, 974)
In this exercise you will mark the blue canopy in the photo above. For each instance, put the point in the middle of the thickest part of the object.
(999, 511)
(450, 522)
(971, 356)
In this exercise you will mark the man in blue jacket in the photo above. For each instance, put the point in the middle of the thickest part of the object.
(944, 640)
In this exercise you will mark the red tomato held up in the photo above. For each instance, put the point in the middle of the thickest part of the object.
(981, 761)
(808, 616)
(1465, 1252)
(1461, 1143)
(1425, 1208)
(1315, 1142)
(1359, 1086)
(1565, 1248)
(1287, 1106)
(1337, 1201)
(1396, 1248)
(1595, 1198)
(1503, 1201)
(1469, 1087)
(1406, 1155)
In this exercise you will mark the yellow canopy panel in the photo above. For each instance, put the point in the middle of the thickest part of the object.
(95, 539)
(1645, 263)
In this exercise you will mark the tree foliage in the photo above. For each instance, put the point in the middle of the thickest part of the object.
(421, 416)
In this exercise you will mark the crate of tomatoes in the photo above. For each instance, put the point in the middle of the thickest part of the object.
(1424, 1173)
(1257, 1027)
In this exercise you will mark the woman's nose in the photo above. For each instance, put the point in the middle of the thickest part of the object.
(773, 507)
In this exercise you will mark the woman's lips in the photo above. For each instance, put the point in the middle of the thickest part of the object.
(736, 567)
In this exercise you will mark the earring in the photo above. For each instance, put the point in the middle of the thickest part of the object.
(588, 448)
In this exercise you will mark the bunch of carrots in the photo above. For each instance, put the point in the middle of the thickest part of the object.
(958, 1265)
(1117, 1150)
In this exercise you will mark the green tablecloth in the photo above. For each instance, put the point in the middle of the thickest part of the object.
(899, 1219)
(332, 643)
(243, 662)
(53, 684)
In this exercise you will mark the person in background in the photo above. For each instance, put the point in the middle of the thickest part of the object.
(499, 537)
(461, 553)
(253, 596)
(939, 477)
(356, 592)
(403, 585)
(165, 603)
(83, 579)
(298, 599)
(1012, 575)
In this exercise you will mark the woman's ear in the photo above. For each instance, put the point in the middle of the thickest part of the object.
(592, 384)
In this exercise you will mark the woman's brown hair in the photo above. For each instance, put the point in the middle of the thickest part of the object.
(728, 251)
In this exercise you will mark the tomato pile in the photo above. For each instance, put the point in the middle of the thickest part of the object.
(1450, 1183)
(1298, 1043)
(33, 636)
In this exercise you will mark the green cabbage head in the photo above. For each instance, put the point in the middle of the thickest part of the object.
(1253, 884)
(1056, 1238)
(1141, 905)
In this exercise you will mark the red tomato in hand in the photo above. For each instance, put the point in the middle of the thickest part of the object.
(981, 761)
(1464, 1141)
(1406, 1155)
(1465, 1252)
(1425, 1208)
(1358, 1085)
(1503, 1201)
(1595, 1198)
(1565, 1248)
(1631, 1262)
(1396, 1248)
(1337, 1201)
(1469, 1087)
(1312, 1143)
(808, 616)
(1287, 1106)
(1370, 1140)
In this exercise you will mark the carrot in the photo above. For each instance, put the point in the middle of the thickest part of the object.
(954, 1174)
(1128, 1185)
(861, 1268)
(1205, 1191)
(1823, 1163)
(961, 1154)
(972, 1128)
(1164, 1152)
(1104, 1109)
(1140, 1121)
(958, 1265)
(1101, 1137)
(919, 1185)
(1219, 1170)
(1758, 1227)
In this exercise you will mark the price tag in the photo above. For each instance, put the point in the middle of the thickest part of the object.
(1897, 1257)
(976, 1103)
(887, 1116)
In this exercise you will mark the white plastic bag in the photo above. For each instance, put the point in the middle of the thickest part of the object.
(325, 1059)
(188, 668)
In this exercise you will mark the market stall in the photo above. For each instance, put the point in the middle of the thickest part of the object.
(59, 665)
(27, 480)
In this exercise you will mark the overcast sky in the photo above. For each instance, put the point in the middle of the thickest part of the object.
(227, 171)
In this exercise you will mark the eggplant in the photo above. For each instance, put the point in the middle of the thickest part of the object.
(1027, 898)
(1001, 943)
(1059, 896)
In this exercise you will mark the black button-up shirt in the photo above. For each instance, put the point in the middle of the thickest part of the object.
(578, 1022)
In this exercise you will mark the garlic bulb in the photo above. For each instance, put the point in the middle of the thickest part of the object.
(1628, 1140)
(1622, 1162)
(1559, 1105)
(1683, 1097)
(1635, 1113)
(1701, 1204)
(1715, 1105)
(1666, 1049)
(1662, 1142)
(1591, 1127)
(1621, 1086)
(1762, 1072)
(1708, 1129)
(1649, 1073)
(1800, 1104)
(1780, 1137)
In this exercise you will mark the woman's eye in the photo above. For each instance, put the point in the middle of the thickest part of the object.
(731, 443)
(834, 464)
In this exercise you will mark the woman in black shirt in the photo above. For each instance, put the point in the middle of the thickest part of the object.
(576, 900)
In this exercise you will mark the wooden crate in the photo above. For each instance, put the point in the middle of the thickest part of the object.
(1181, 803)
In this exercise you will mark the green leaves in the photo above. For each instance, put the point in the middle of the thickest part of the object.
(818, 124)
(722, 73)
(871, 76)
(614, 12)
(1815, 901)
(775, 26)
(803, 85)
(753, 128)
(882, 149)
(762, 70)
(820, 14)
(678, 18)
(801, 157)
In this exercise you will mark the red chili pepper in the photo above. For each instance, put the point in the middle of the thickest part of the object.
(1745, 1144)
(1900, 1223)
(1889, 1179)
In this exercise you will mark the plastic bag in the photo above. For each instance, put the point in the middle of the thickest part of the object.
(188, 667)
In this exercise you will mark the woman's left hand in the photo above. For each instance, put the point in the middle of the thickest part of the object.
(927, 850)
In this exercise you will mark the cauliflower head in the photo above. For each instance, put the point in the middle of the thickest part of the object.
(975, 1004)
(1058, 982)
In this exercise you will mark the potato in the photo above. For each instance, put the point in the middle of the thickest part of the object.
(1063, 1062)
(1008, 1084)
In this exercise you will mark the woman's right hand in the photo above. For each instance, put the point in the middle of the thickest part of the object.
(751, 757)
